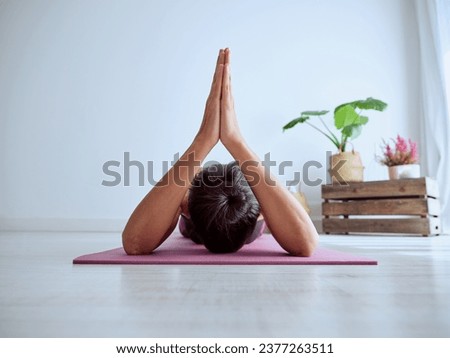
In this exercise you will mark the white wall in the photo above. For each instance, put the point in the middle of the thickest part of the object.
(82, 82)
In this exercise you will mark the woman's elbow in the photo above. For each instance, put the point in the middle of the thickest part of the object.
(132, 244)
(310, 248)
(304, 251)
(307, 247)
(128, 243)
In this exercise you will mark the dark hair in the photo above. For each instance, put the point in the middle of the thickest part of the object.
(222, 207)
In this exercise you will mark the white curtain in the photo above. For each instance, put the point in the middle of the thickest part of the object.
(433, 17)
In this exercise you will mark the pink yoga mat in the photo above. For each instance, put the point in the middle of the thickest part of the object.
(177, 250)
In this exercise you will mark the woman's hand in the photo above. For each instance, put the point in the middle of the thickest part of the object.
(157, 214)
(288, 222)
(229, 129)
(209, 131)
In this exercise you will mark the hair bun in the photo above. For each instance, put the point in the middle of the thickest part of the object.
(236, 198)
(222, 207)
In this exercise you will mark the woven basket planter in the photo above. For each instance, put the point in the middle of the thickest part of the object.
(346, 167)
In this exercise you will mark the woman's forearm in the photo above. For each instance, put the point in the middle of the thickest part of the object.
(285, 217)
(287, 220)
(155, 217)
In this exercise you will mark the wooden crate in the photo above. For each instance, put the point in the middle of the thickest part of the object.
(404, 206)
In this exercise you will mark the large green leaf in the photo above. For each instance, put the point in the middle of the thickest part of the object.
(363, 120)
(302, 119)
(347, 131)
(295, 121)
(356, 131)
(314, 113)
(368, 103)
(345, 116)
(352, 131)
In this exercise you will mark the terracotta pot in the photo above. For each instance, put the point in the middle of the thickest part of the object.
(404, 171)
(346, 167)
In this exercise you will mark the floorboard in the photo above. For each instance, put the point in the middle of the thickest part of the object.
(43, 295)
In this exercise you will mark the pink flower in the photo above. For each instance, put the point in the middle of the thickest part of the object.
(400, 145)
(413, 151)
(405, 152)
(388, 152)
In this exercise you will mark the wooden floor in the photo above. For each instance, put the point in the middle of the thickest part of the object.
(43, 295)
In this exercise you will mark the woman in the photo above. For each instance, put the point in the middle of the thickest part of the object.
(219, 205)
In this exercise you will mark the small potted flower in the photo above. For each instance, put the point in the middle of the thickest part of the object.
(401, 158)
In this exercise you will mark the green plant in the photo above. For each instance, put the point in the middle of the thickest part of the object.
(346, 119)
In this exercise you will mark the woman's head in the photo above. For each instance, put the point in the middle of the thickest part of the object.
(222, 207)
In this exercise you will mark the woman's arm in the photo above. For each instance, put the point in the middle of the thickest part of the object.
(287, 220)
(157, 214)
